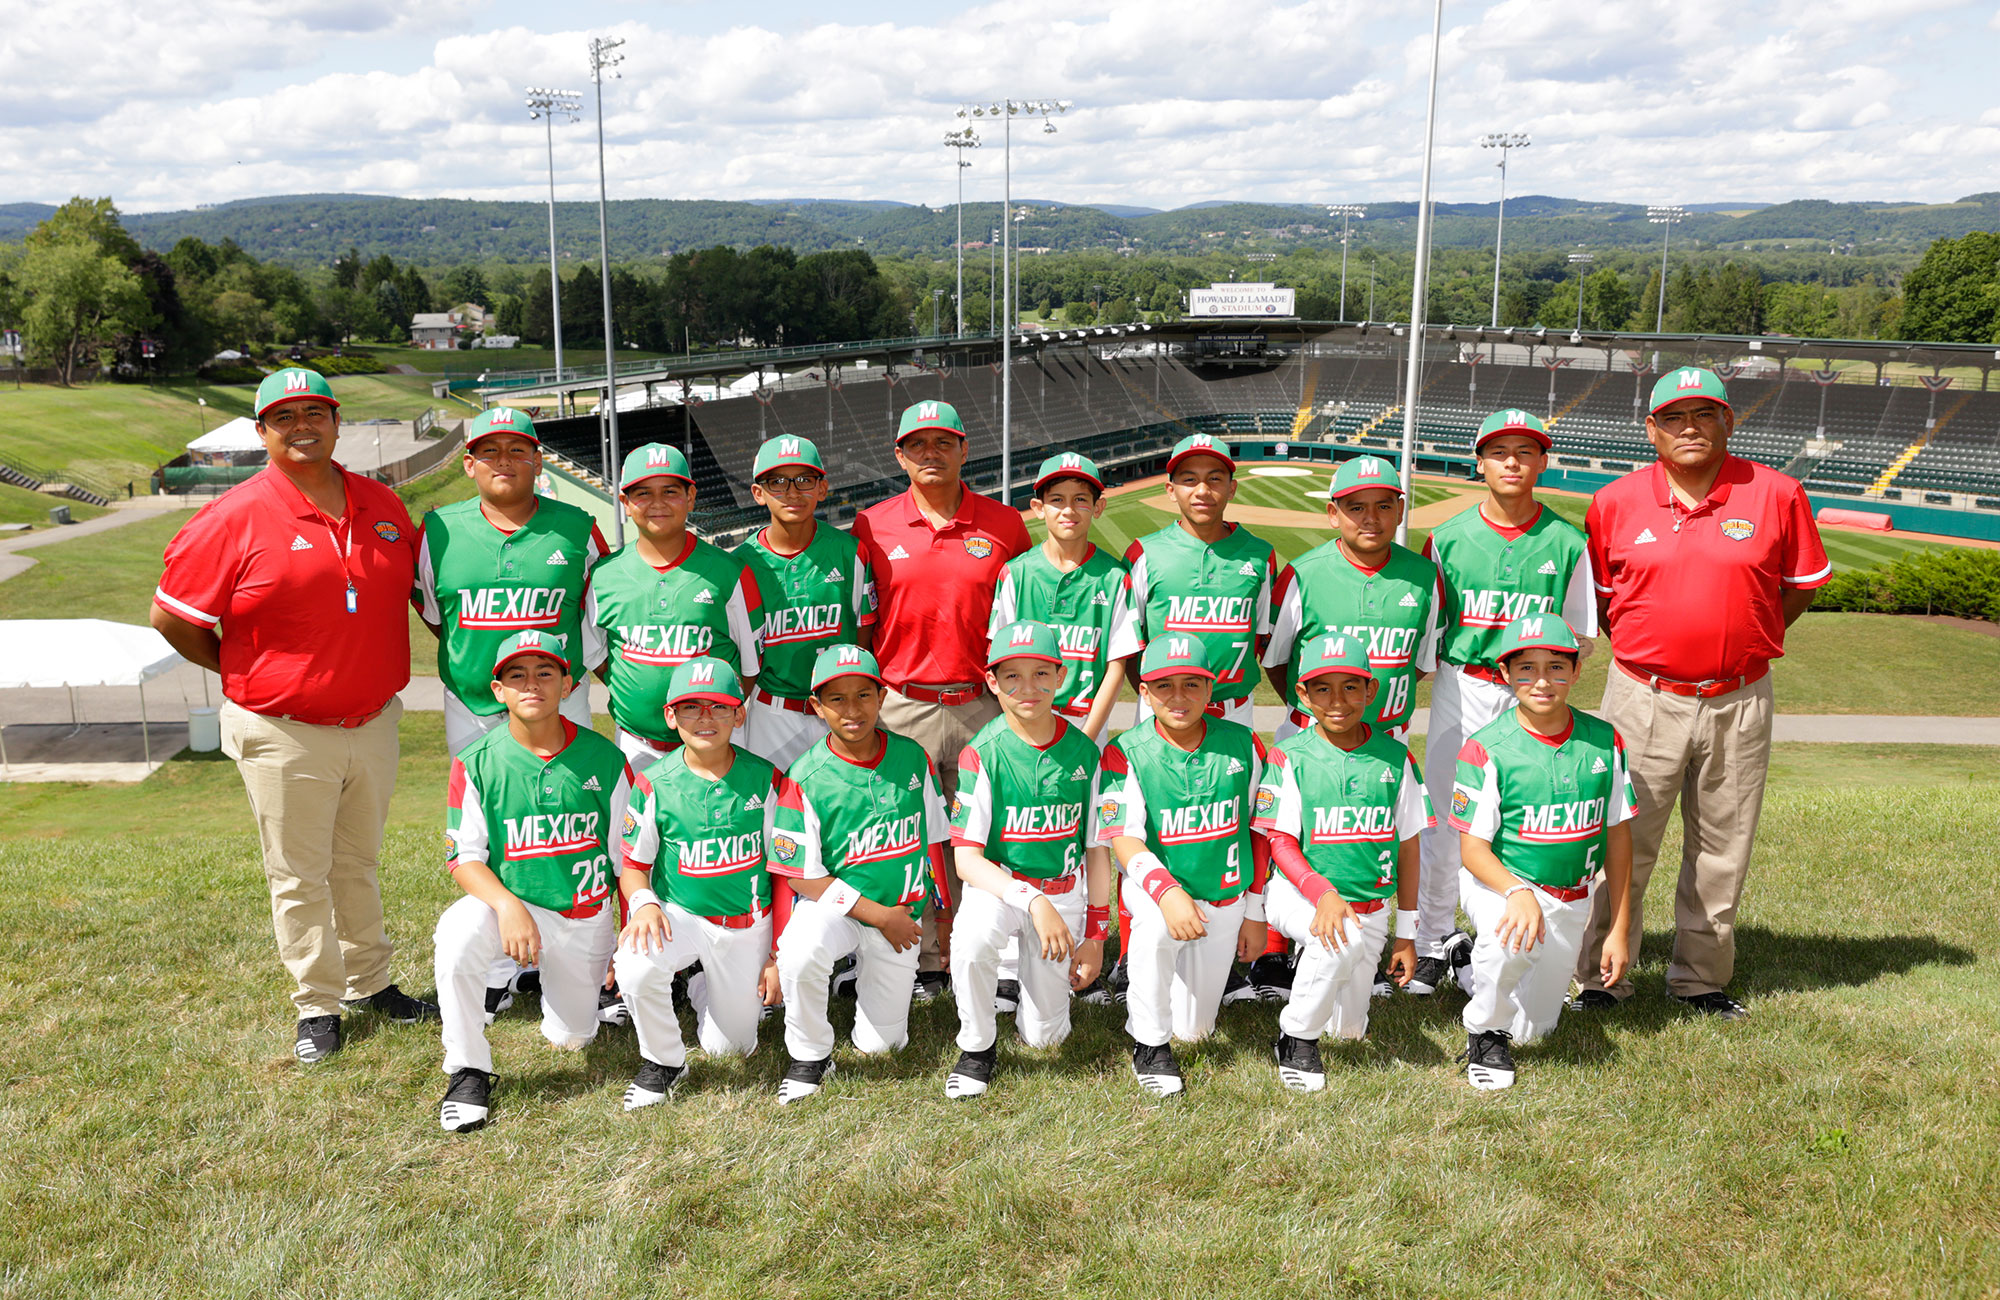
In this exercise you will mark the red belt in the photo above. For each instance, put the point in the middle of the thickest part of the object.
(954, 695)
(1055, 885)
(660, 745)
(1566, 895)
(1301, 720)
(1480, 672)
(742, 922)
(1707, 690)
(763, 696)
(1368, 905)
(1075, 709)
(346, 724)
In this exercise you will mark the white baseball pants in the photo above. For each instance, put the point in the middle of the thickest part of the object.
(1460, 705)
(814, 939)
(640, 752)
(575, 953)
(1330, 989)
(981, 931)
(779, 734)
(726, 1015)
(1176, 985)
(1520, 992)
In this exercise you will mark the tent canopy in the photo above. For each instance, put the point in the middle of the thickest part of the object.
(58, 652)
(240, 434)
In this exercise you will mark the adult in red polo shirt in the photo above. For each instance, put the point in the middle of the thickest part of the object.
(1702, 561)
(938, 552)
(295, 587)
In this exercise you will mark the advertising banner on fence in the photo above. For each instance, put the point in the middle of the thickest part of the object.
(1238, 300)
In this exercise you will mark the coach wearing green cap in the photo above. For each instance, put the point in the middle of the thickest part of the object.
(1702, 560)
(294, 586)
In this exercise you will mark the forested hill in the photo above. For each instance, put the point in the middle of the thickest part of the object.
(313, 229)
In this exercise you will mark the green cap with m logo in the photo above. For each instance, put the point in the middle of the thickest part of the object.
(930, 415)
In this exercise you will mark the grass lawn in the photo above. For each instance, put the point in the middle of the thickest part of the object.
(22, 506)
(475, 360)
(1840, 1142)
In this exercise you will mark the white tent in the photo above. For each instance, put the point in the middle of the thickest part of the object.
(65, 653)
(240, 434)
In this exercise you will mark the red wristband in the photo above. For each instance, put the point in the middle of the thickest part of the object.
(1096, 924)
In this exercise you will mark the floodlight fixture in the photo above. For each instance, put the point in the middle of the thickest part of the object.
(1344, 211)
(604, 59)
(958, 142)
(1581, 261)
(1504, 141)
(546, 104)
(1665, 216)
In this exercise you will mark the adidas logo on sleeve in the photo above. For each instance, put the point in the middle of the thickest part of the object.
(558, 557)
(1235, 766)
(592, 784)
(299, 543)
(1248, 570)
(1596, 766)
(916, 782)
(755, 801)
(1548, 566)
(899, 554)
(1409, 599)
(704, 597)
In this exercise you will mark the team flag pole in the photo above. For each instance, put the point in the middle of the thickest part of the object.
(1421, 276)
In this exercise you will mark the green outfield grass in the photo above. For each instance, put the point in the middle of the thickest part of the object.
(474, 361)
(1841, 1142)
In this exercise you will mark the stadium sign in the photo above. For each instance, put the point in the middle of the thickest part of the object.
(1239, 300)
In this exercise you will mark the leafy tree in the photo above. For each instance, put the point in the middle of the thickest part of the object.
(464, 284)
(1953, 295)
(80, 299)
(347, 269)
(241, 318)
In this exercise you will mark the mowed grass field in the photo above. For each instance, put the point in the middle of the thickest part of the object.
(1841, 1142)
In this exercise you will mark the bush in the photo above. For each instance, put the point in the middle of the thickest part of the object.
(232, 374)
(351, 364)
(1961, 582)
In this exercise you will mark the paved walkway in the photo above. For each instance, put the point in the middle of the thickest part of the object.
(120, 514)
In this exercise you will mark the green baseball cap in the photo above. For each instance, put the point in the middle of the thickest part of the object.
(1201, 444)
(786, 452)
(1688, 381)
(1026, 639)
(502, 419)
(1334, 654)
(1364, 472)
(844, 661)
(1537, 632)
(930, 415)
(704, 678)
(654, 460)
(1504, 422)
(531, 642)
(1069, 465)
(293, 384)
(1170, 654)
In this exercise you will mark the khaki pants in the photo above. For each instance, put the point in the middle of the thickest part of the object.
(943, 730)
(320, 796)
(1713, 756)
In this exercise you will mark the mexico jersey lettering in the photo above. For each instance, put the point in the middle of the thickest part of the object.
(1088, 606)
(1023, 807)
(704, 840)
(822, 596)
(871, 826)
(642, 622)
(1394, 608)
(1219, 593)
(478, 586)
(1348, 809)
(543, 827)
(1493, 574)
(1191, 809)
(1546, 804)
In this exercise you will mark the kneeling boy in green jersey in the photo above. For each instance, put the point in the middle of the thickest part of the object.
(696, 885)
(1542, 805)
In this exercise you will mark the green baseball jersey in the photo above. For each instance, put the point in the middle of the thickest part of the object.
(1492, 574)
(1395, 608)
(870, 826)
(1090, 608)
(479, 585)
(822, 596)
(1545, 804)
(542, 825)
(1349, 809)
(1220, 593)
(1024, 807)
(704, 840)
(1191, 808)
(644, 621)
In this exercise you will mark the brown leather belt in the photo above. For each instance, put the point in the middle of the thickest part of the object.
(948, 695)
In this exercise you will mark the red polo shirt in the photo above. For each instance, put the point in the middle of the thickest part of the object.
(934, 586)
(268, 571)
(1697, 595)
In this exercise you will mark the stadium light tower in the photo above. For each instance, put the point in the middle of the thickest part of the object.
(1664, 216)
(1503, 141)
(547, 105)
(958, 142)
(1007, 110)
(1581, 261)
(1418, 308)
(603, 60)
(1344, 211)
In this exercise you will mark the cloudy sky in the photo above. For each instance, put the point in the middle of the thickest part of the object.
(1176, 101)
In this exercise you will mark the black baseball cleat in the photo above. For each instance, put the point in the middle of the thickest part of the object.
(498, 1000)
(1458, 956)
(653, 1084)
(1097, 993)
(611, 1008)
(930, 986)
(1489, 1064)
(1271, 977)
(396, 1005)
(528, 979)
(466, 1101)
(1299, 1066)
(1156, 1069)
(1594, 1000)
(803, 1079)
(318, 1038)
(1117, 980)
(1007, 997)
(1383, 987)
(972, 1073)
(1424, 980)
(1717, 1004)
(844, 976)
(1237, 988)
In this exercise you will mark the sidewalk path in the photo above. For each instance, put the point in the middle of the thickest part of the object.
(120, 514)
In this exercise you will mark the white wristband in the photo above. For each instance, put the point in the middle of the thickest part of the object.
(1516, 888)
(641, 898)
(1406, 923)
(841, 897)
(1253, 908)
(1144, 863)
(1022, 894)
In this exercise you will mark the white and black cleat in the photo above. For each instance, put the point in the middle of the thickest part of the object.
(1006, 997)
(653, 1084)
(972, 1075)
(1238, 988)
(845, 974)
(1156, 1070)
(497, 1001)
(1097, 993)
(1271, 977)
(1426, 979)
(611, 1008)
(803, 1079)
(1383, 987)
(1457, 949)
(466, 1101)
(318, 1038)
(1299, 1066)
(1489, 1063)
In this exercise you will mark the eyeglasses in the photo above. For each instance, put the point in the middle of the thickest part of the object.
(1710, 417)
(782, 486)
(701, 708)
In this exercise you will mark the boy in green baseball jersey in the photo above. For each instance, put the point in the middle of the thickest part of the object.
(1173, 803)
(1024, 854)
(532, 807)
(817, 591)
(1506, 557)
(697, 829)
(665, 598)
(1543, 807)
(859, 837)
(1341, 807)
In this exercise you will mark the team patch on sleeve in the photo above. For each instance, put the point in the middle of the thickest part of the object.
(1267, 799)
(1108, 811)
(631, 827)
(1461, 804)
(783, 846)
